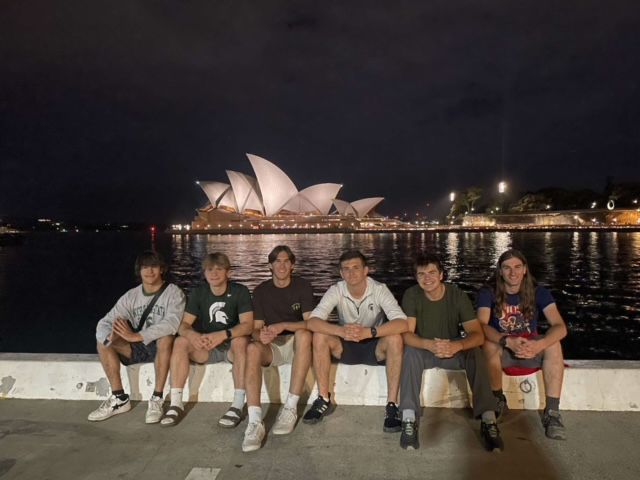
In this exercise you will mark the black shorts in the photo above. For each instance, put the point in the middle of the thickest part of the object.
(364, 352)
(140, 353)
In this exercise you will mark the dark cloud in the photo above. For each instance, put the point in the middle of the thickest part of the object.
(100, 102)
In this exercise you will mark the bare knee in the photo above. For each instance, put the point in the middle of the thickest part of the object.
(320, 341)
(253, 351)
(165, 344)
(303, 339)
(181, 344)
(553, 353)
(394, 344)
(239, 347)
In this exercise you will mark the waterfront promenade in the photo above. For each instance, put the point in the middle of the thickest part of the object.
(51, 439)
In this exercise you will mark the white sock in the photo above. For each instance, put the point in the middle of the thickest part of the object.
(292, 401)
(255, 414)
(238, 399)
(176, 398)
(408, 416)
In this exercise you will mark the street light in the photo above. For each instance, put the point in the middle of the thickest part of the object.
(502, 187)
(452, 196)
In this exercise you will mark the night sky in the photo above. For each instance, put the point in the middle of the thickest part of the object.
(111, 110)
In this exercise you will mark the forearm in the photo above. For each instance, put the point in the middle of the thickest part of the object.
(294, 326)
(491, 334)
(415, 341)
(554, 335)
(185, 329)
(393, 327)
(243, 329)
(472, 340)
(317, 325)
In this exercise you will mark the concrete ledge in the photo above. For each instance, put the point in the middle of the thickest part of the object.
(589, 385)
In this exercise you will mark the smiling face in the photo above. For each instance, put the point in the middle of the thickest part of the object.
(151, 276)
(282, 267)
(354, 272)
(216, 276)
(429, 278)
(512, 272)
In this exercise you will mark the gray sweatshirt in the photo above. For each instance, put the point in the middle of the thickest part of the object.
(163, 319)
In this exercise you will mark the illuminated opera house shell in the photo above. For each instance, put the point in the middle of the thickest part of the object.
(272, 193)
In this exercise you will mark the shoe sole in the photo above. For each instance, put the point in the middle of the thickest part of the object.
(282, 432)
(151, 422)
(313, 421)
(392, 429)
(410, 447)
(113, 414)
(252, 448)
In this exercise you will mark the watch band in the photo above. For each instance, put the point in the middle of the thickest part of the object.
(229, 334)
(374, 332)
(503, 341)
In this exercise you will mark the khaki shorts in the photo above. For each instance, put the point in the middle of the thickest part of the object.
(282, 350)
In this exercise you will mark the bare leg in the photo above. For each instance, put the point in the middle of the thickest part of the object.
(111, 362)
(301, 360)
(238, 355)
(164, 346)
(258, 356)
(553, 370)
(180, 362)
(493, 358)
(323, 347)
(391, 349)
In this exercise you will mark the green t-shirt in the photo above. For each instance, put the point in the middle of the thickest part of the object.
(441, 318)
(218, 312)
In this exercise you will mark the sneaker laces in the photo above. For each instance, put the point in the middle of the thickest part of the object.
(320, 404)
(155, 404)
(409, 428)
(287, 415)
(553, 419)
(492, 430)
(391, 411)
(252, 430)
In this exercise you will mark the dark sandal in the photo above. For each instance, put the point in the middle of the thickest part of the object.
(173, 419)
(233, 419)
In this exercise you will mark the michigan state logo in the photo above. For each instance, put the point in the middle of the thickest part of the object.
(217, 314)
(296, 307)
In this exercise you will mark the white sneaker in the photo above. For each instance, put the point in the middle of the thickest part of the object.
(154, 410)
(285, 422)
(110, 407)
(253, 436)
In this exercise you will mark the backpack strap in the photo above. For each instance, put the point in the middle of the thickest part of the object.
(147, 310)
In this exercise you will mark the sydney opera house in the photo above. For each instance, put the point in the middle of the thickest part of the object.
(270, 201)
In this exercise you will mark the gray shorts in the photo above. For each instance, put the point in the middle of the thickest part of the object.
(140, 353)
(510, 360)
(219, 354)
(282, 350)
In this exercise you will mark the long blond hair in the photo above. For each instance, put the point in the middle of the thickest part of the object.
(527, 290)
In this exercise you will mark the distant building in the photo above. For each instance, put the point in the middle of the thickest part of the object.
(271, 201)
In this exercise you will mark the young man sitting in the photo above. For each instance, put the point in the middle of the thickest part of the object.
(509, 311)
(362, 336)
(217, 321)
(281, 306)
(436, 311)
(139, 328)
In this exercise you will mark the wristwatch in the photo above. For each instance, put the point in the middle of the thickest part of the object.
(503, 341)
(229, 334)
(374, 332)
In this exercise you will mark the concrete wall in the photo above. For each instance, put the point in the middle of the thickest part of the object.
(589, 385)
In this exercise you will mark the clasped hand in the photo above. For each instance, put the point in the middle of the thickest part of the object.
(356, 333)
(524, 348)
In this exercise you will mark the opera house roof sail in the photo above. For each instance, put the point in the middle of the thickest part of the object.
(271, 194)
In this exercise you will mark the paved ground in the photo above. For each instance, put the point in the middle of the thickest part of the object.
(44, 439)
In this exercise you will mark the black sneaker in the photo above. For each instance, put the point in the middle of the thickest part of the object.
(502, 407)
(392, 421)
(553, 426)
(318, 410)
(409, 436)
(491, 437)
